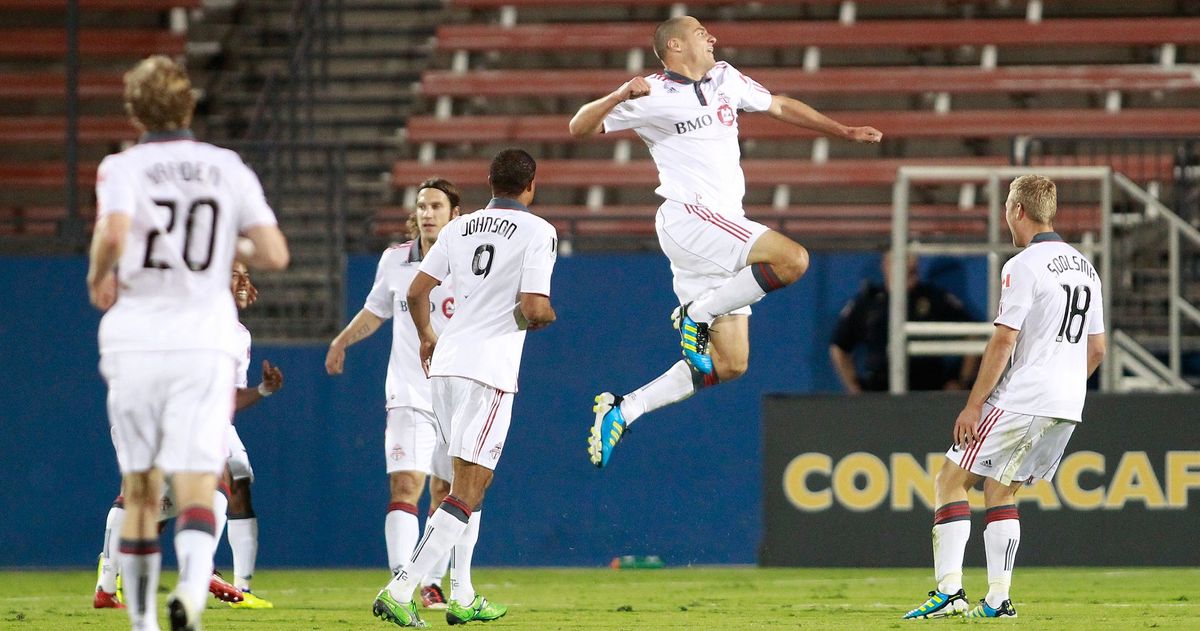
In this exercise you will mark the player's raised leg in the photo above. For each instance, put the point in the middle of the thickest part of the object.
(774, 262)
(614, 414)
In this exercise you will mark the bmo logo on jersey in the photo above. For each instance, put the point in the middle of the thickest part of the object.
(448, 307)
(699, 122)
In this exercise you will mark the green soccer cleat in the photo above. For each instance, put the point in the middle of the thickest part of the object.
(940, 605)
(984, 610)
(251, 601)
(481, 609)
(389, 609)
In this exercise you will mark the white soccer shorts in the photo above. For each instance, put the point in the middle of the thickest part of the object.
(706, 249)
(239, 460)
(169, 409)
(411, 443)
(1015, 447)
(473, 419)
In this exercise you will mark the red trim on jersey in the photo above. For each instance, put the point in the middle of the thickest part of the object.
(968, 459)
(487, 426)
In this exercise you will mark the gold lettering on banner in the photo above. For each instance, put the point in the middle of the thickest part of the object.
(795, 482)
(1069, 472)
(909, 479)
(870, 469)
(862, 481)
(1134, 481)
(1183, 475)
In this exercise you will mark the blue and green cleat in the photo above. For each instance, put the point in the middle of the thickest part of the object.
(389, 609)
(984, 610)
(480, 609)
(940, 605)
(607, 430)
(693, 340)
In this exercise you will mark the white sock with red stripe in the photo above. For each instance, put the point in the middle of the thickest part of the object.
(141, 563)
(401, 531)
(1001, 538)
(439, 571)
(747, 287)
(670, 387)
(443, 530)
(462, 589)
(951, 531)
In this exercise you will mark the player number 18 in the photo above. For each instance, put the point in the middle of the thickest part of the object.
(1075, 313)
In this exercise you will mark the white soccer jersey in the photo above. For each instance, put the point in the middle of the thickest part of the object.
(494, 254)
(188, 201)
(1051, 294)
(242, 372)
(691, 129)
(406, 382)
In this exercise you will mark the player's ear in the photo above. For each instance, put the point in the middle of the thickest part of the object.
(456, 211)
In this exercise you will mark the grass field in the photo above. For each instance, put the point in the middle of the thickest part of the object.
(696, 599)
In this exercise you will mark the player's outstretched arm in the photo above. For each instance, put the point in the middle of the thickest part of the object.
(360, 328)
(590, 118)
(537, 311)
(799, 113)
(995, 358)
(108, 241)
(263, 247)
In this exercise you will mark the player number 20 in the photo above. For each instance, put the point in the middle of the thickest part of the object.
(1079, 299)
(482, 263)
(196, 206)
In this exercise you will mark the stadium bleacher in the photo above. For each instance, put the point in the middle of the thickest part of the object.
(33, 126)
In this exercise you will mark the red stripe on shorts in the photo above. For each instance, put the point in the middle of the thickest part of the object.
(973, 451)
(487, 426)
(707, 215)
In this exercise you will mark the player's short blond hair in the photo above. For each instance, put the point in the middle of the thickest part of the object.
(668, 30)
(1038, 195)
(158, 94)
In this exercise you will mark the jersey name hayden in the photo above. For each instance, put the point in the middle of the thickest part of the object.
(691, 129)
(187, 201)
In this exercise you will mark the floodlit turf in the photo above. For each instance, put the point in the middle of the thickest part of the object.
(695, 599)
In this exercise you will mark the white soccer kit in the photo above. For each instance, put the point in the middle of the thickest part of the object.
(410, 438)
(494, 254)
(691, 129)
(1051, 294)
(187, 202)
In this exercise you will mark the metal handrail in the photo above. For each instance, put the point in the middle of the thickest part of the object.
(1177, 305)
(899, 331)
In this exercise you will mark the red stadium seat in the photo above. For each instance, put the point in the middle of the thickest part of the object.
(852, 80)
(100, 5)
(790, 34)
(29, 129)
(894, 124)
(53, 85)
(37, 43)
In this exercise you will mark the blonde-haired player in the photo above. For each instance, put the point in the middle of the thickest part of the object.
(722, 262)
(1027, 400)
(171, 210)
